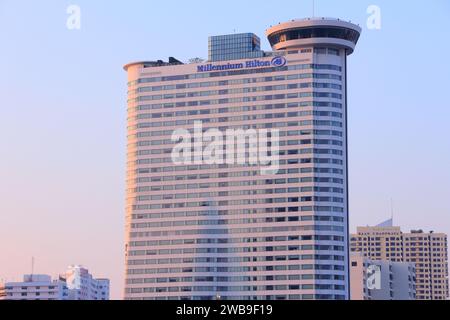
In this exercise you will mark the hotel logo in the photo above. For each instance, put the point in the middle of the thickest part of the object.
(278, 61)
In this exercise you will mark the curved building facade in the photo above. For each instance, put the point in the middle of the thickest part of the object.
(204, 230)
(323, 32)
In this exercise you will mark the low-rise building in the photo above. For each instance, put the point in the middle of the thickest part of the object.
(34, 287)
(75, 284)
(381, 279)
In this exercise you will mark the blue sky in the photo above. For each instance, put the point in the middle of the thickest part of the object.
(63, 115)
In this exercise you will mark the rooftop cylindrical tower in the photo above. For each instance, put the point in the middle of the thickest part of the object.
(314, 32)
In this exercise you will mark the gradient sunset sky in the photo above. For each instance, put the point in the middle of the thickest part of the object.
(63, 116)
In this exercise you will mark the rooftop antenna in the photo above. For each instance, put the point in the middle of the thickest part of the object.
(392, 211)
(313, 8)
(32, 266)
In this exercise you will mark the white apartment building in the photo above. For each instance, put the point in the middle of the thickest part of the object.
(34, 287)
(396, 280)
(75, 284)
(82, 286)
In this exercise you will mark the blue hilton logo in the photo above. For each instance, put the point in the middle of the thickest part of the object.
(278, 61)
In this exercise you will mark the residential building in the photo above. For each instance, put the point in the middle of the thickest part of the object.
(82, 285)
(34, 287)
(427, 250)
(76, 284)
(396, 280)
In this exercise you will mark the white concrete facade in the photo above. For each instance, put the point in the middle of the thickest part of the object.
(397, 279)
(34, 287)
(76, 284)
(82, 286)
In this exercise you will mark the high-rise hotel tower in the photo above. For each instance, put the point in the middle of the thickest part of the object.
(202, 230)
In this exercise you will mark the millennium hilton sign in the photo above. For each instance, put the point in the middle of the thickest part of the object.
(278, 61)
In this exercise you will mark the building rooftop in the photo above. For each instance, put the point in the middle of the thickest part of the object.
(157, 63)
(316, 19)
(283, 36)
(314, 32)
